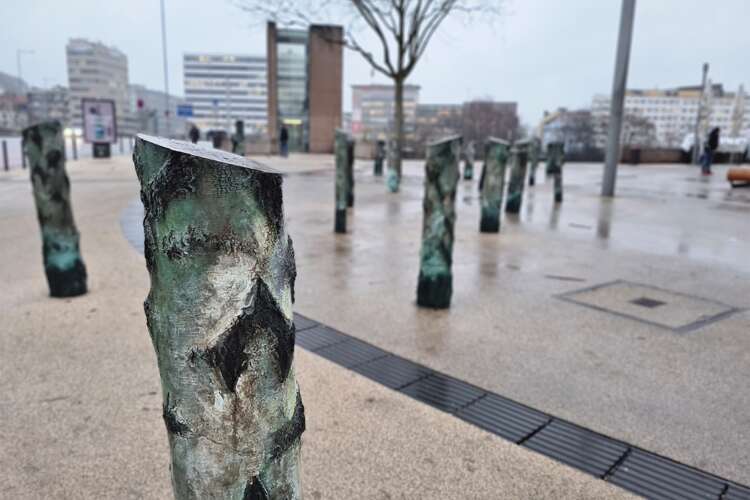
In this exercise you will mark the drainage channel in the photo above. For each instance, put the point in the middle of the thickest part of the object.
(632, 468)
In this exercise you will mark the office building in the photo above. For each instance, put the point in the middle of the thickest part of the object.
(673, 112)
(101, 72)
(373, 108)
(304, 86)
(224, 88)
(149, 109)
(49, 104)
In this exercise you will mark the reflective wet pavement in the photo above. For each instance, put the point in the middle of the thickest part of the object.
(679, 394)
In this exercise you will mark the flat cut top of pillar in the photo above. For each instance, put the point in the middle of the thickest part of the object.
(216, 155)
(445, 139)
(498, 141)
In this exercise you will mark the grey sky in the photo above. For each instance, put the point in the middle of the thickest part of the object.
(542, 53)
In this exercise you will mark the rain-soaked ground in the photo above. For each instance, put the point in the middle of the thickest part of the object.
(626, 316)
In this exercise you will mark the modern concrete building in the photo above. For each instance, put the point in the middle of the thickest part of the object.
(149, 107)
(373, 108)
(101, 72)
(304, 86)
(223, 88)
(673, 112)
(49, 104)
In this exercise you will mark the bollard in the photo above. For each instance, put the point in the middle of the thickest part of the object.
(350, 143)
(5, 156)
(219, 313)
(342, 197)
(238, 138)
(519, 157)
(469, 161)
(392, 178)
(75, 146)
(555, 160)
(493, 184)
(66, 274)
(435, 285)
(122, 146)
(377, 169)
(534, 150)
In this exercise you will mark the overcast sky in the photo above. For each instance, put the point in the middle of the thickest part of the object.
(541, 53)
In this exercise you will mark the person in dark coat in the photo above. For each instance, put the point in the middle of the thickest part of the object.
(284, 140)
(194, 133)
(712, 144)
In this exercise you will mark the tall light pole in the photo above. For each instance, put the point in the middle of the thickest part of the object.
(166, 68)
(19, 53)
(619, 84)
(699, 115)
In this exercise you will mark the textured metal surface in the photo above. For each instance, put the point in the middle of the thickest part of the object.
(443, 392)
(578, 447)
(393, 372)
(319, 337)
(653, 476)
(351, 353)
(302, 322)
(504, 417)
(735, 492)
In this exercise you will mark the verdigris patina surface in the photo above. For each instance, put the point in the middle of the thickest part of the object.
(238, 138)
(519, 157)
(392, 177)
(219, 312)
(435, 285)
(377, 168)
(535, 148)
(43, 145)
(341, 147)
(469, 155)
(555, 160)
(493, 184)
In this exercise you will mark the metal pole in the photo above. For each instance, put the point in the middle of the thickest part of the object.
(696, 137)
(618, 97)
(19, 53)
(166, 68)
(5, 156)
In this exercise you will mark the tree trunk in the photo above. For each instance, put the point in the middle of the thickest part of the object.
(394, 177)
(493, 185)
(441, 178)
(220, 317)
(44, 146)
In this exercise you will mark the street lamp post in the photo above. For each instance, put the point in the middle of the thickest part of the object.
(19, 53)
(699, 115)
(166, 69)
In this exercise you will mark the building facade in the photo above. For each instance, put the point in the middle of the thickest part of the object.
(49, 104)
(152, 116)
(673, 113)
(373, 108)
(224, 88)
(574, 128)
(100, 72)
(304, 86)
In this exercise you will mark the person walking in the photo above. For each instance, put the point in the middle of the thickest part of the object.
(194, 133)
(712, 144)
(284, 139)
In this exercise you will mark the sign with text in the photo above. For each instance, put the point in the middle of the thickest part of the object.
(99, 120)
(185, 110)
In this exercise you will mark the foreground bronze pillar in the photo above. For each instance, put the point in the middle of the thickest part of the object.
(555, 160)
(435, 285)
(493, 184)
(43, 145)
(341, 148)
(519, 156)
(219, 312)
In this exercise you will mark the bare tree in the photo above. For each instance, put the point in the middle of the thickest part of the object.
(403, 29)
(577, 131)
(486, 118)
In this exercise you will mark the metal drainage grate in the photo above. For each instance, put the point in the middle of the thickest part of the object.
(620, 463)
(646, 302)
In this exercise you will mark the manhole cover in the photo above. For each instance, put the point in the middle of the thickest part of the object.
(675, 311)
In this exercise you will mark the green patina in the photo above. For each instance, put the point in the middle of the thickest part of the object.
(469, 154)
(238, 138)
(44, 147)
(493, 184)
(534, 149)
(555, 160)
(519, 157)
(219, 312)
(392, 177)
(441, 177)
(342, 180)
(377, 168)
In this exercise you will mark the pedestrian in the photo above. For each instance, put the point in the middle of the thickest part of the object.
(284, 140)
(712, 144)
(194, 133)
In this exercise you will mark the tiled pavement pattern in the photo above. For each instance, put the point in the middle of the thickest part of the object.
(631, 468)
